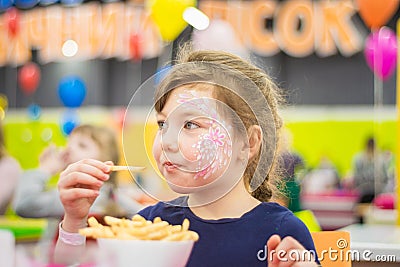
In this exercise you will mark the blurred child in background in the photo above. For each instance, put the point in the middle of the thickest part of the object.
(34, 200)
(291, 164)
(10, 170)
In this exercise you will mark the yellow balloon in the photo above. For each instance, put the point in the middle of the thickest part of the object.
(2, 113)
(167, 15)
(3, 102)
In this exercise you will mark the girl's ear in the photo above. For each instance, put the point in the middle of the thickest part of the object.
(255, 140)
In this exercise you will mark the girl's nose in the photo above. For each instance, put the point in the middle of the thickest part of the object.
(169, 140)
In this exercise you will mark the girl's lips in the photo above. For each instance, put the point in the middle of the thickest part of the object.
(169, 166)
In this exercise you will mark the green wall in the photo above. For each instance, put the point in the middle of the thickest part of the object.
(339, 140)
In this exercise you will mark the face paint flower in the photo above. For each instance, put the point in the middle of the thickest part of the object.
(216, 136)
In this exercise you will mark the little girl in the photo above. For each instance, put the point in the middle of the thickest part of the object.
(217, 143)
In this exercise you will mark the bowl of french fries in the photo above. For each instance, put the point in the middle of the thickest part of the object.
(139, 242)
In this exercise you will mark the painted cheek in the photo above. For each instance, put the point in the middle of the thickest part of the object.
(216, 151)
(189, 147)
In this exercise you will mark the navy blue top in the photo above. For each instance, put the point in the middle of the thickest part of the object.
(234, 241)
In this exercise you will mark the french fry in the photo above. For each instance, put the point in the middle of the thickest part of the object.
(138, 228)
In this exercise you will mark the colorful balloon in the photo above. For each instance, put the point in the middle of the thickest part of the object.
(72, 91)
(120, 118)
(12, 19)
(69, 121)
(4, 4)
(135, 47)
(161, 73)
(381, 52)
(29, 78)
(47, 2)
(210, 38)
(376, 13)
(71, 2)
(168, 16)
(25, 4)
(34, 112)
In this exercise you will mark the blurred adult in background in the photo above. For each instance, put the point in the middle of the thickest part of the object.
(10, 170)
(34, 200)
(290, 164)
(370, 171)
(323, 179)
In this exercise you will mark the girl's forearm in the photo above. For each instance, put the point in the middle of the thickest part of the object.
(70, 244)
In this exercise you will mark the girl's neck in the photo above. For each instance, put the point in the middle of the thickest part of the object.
(233, 205)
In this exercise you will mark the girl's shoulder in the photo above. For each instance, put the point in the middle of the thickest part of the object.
(276, 214)
(171, 211)
(273, 207)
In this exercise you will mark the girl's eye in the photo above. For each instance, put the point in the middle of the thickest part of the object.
(161, 125)
(191, 125)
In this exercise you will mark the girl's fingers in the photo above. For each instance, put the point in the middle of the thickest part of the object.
(96, 163)
(77, 193)
(92, 167)
(288, 252)
(109, 162)
(272, 243)
(80, 179)
(305, 264)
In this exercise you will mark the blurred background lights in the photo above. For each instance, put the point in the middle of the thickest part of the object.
(70, 48)
(196, 18)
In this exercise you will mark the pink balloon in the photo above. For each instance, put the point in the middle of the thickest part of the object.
(381, 52)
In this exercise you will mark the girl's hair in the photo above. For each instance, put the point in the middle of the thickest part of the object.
(263, 82)
(105, 139)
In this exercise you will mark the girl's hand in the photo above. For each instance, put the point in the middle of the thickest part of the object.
(79, 185)
(288, 252)
(52, 160)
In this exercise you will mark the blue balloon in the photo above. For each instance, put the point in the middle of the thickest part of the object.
(47, 2)
(69, 121)
(5, 4)
(34, 111)
(25, 4)
(161, 73)
(71, 2)
(72, 91)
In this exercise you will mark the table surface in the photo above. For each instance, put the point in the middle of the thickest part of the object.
(382, 240)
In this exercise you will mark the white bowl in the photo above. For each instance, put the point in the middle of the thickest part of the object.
(144, 253)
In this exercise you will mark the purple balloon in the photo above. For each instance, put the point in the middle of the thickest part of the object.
(381, 52)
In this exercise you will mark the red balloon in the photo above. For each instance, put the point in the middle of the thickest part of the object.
(29, 78)
(135, 47)
(12, 19)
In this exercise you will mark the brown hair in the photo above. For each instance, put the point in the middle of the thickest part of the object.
(257, 76)
(105, 139)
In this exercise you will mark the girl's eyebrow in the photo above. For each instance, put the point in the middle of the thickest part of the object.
(160, 114)
(193, 114)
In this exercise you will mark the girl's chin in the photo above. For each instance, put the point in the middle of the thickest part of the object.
(183, 188)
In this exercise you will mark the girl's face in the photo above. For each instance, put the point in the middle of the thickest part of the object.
(193, 146)
(80, 147)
